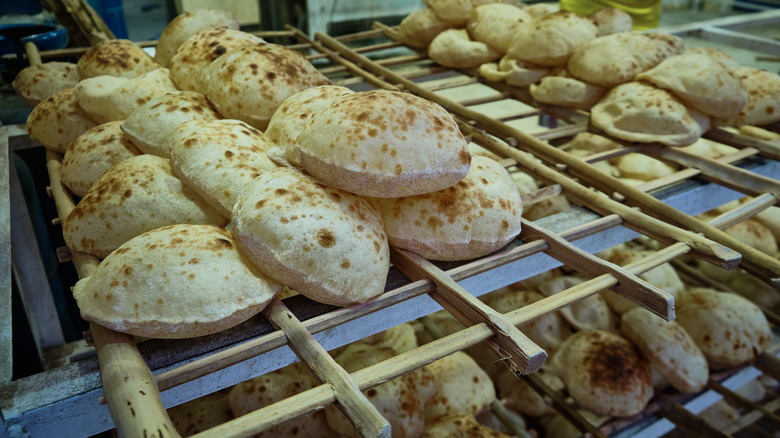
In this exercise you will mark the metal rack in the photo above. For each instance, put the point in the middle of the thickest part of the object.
(70, 397)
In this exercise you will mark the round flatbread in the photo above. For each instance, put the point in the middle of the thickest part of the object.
(455, 48)
(551, 39)
(611, 20)
(420, 27)
(122, 58)
(496, 23)
(325, 243)
(57, 121)
(184, 26)
(763, 105)
(384, 144)
(567, 92)
(179, 281)
(38, 82)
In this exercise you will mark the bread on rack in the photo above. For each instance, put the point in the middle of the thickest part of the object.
(218, 158)
(763, 105)
(174, 282)
(611, 20)
(473, 218)
(539, 10)
(496, 23)
(137, 195)
(250, 83)
(709, 149)
(184, 26)
(615, 59)
(716, 54)
(604, 373)
(455, 48)
(109, 98)
(669, 348)
(521, 73)
(57, 121)
(454, 12)
(729, 329)
(384, 144)
(122, 58)
(325, 243)
(289, 119)
(461, 387)
(591, 313)
(202, 413)
(642, 167)
(37, 83)
(460, 426)
(566, 91)
(552, 39)
(519, 396)
(201, 49)
(420, 27)
(151, 124)
(637, 111)
(701, 82)
(92, 153)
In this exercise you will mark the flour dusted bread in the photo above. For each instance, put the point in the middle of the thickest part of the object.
(551, 39)
(384, 144)
(455, 48)
(184, 26)
(38, 82)
(288, 120)
(567, 92)
(56, 121)
(669, 348)
(218, 158)
(614, 59)
(179, 281)
(604, 373)
(151, 124)
(454, 12)
(701, 82)
(92, 153)
(200, 50)
(108, 98)
(763, 105)
(662, 276)
(250, 83)
(137, 195)
(121, 58)
(611, 20)
(460, 426)
(461, 387)
(201, 414)
(420, 27)
(496, 23)
(475, 217)
(637, 111)
(325, 243)
(521, 73)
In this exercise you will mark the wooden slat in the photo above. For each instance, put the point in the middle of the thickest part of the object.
(686, 421)
(509, 343)
(736, 399)
(363, 415)
(751, 417)
(767, 148)
(563, 408)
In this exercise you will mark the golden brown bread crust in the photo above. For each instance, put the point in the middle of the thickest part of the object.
(57, 121)
(38, 82)
(184, 26)
(120, 57)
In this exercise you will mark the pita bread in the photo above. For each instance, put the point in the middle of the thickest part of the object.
(36, 83)
(592, 313)
(709, 149)
(639, 166)
(199, 50)
(604, 373)
(662, 276)
(250, 83)
(109, 98)
(218, 158)
(325, 243)
(551, 39)
(122, 58)
(592, 143)
(716, 54)
(288, 120)
(520, 73)
(669, 348)
(490, 71)
(400, 339)
(454, 12)
(496, 23)
(701, 82)
(151, 124)
(462, 387)
(639, 112)
(184, 26)
(546, 207)
(567, 92)
(201, 414)
(763, 105)
(460, 426)
(399, 400)
(174, 282)
(275, 386)
(729, 329)
(137, 195)
(539, 10)
(519, 396)
(455, 48)
(57, 121)
(475, 217)
(611, 20)
(92, 153)
(615, 59)
(361, 143)
(420, 27)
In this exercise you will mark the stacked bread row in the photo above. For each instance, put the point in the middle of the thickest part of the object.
(165, 158)
(640, 87)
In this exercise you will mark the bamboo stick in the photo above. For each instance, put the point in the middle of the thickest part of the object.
(759, 264)
(510, 343)
(750, 417)
(363, 415)
(733, 397)
(685, 420)
(767, 148)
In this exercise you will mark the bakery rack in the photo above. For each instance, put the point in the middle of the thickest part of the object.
(70, 397)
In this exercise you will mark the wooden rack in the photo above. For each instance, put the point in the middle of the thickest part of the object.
(70, 397)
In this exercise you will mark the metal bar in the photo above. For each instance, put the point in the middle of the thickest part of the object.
(739, 39)
(6, 332)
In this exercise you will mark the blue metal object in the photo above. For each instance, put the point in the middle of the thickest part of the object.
(112, 14)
